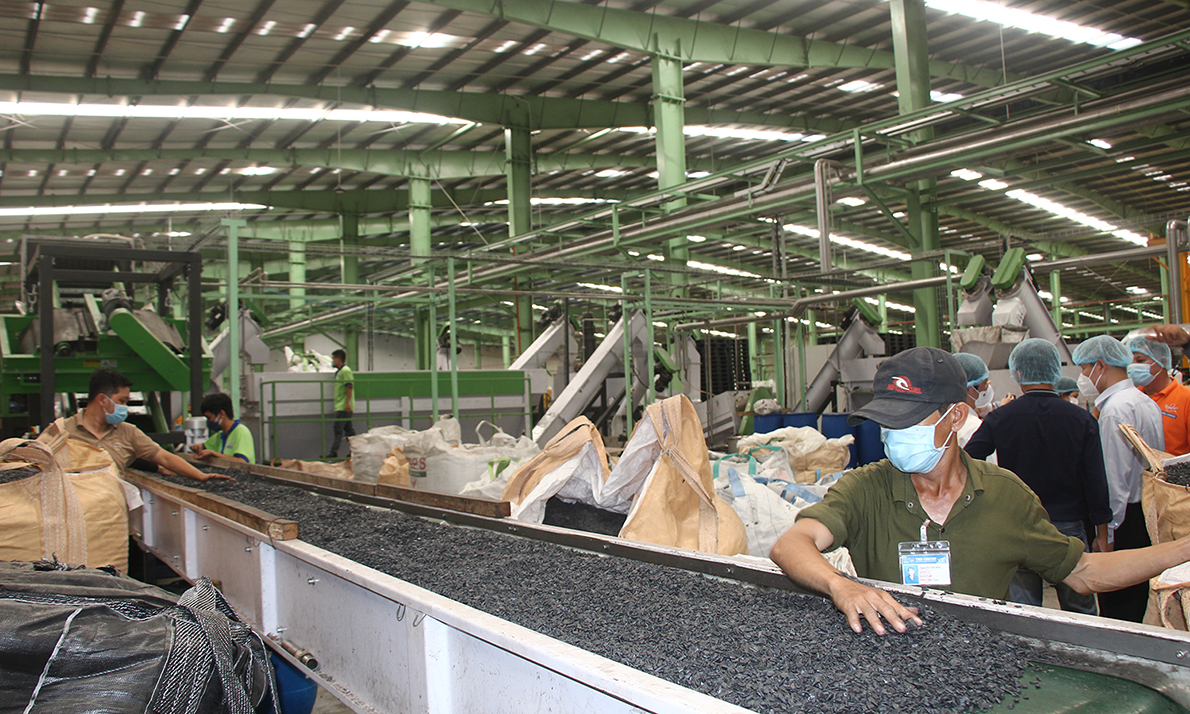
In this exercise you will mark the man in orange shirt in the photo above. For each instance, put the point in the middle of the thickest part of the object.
(1151, 363)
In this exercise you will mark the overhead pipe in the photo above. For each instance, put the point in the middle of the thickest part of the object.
(917, 165)
(799, 305)
(822, 204)
(1174, 231)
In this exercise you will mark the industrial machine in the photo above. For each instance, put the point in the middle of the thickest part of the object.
(66, 332)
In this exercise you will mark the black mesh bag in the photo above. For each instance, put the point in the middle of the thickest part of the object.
(84, 640)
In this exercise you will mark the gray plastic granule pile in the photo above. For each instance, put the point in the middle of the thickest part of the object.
(763, 649)
(10, 475)
(1178, 474)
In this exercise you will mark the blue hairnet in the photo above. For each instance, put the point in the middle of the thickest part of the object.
(1035, 361)
(1158, 351)
(1065, 385)
(976, 370)
(1103, 347)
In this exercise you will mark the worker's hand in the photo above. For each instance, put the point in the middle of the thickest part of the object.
(202, 451)
(858, 602)
(204, 477)
(197, 448)
(1102, 545)
(1006, 400)
(1169, 334)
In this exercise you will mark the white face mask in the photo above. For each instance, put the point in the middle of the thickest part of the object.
(985, 397)
(1087, 387)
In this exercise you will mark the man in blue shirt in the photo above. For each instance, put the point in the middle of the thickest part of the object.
(1054, 447)
(1104, 360)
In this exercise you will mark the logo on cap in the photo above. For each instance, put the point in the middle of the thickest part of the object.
(902, 384)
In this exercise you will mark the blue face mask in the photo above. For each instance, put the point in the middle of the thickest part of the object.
(912, 449)
(213, 426)
(1140, 374)
(119, 415)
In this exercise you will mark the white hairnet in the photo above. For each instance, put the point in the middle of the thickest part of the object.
(1035, 361)
(976, 370)
(1158, 351)
(1102, 347)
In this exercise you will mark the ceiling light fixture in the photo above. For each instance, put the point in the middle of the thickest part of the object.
(133, 208)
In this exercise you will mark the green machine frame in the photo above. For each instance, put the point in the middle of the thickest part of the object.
(132, 349)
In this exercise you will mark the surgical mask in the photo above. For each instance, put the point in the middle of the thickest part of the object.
(1086, 386)
(214, 425)
(912, 449)
(985, 398)
(1140, 374)
(119, 415)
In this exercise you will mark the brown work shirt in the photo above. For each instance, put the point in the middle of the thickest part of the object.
(123, 442)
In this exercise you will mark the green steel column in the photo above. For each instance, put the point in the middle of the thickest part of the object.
(506, 350)
(350, 275)
(650, 373)
(753, 351)
(421, 339)
(882, 305)
(1056, 290)
(518, 151)
(524, 320)
(233, 306)
(812, 327)
(669, 115)
(628, 381)
(433, 343)
(419, 218)
(911, 55)
(297, 274)
(454, 338)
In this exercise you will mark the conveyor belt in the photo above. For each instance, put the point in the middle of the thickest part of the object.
(1026, 620)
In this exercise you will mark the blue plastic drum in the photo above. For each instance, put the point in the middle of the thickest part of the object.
(295, 690)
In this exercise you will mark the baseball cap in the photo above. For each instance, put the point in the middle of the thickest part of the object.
(911, 385)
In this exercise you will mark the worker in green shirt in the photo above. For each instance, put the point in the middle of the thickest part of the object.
(228, 436)
(344, 401)
(931, 515)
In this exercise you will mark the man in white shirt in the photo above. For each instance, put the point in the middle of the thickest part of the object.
(979, 395)
(1104, 361)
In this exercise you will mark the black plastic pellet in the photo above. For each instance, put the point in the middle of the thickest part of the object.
(1178, 474)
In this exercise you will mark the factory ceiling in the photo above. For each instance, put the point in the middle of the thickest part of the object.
(319, 109)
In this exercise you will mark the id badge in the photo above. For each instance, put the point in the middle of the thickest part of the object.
(925, 562)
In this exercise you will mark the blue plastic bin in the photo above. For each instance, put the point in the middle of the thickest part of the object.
(869, 446)
(768, 422)
(834, 426)
(801, 419)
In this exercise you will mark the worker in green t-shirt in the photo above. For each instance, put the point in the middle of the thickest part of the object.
(228, 436)
(344, 401)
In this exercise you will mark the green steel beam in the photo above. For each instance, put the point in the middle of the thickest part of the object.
(388, 162)
(698, 40)
(669, 105)
(527, 111)
(329, 201)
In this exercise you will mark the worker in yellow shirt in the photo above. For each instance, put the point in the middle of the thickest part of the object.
(1151, 364)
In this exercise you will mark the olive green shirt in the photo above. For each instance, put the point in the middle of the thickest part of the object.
(996, 525)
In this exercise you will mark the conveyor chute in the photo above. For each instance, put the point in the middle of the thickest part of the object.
(586, 384)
